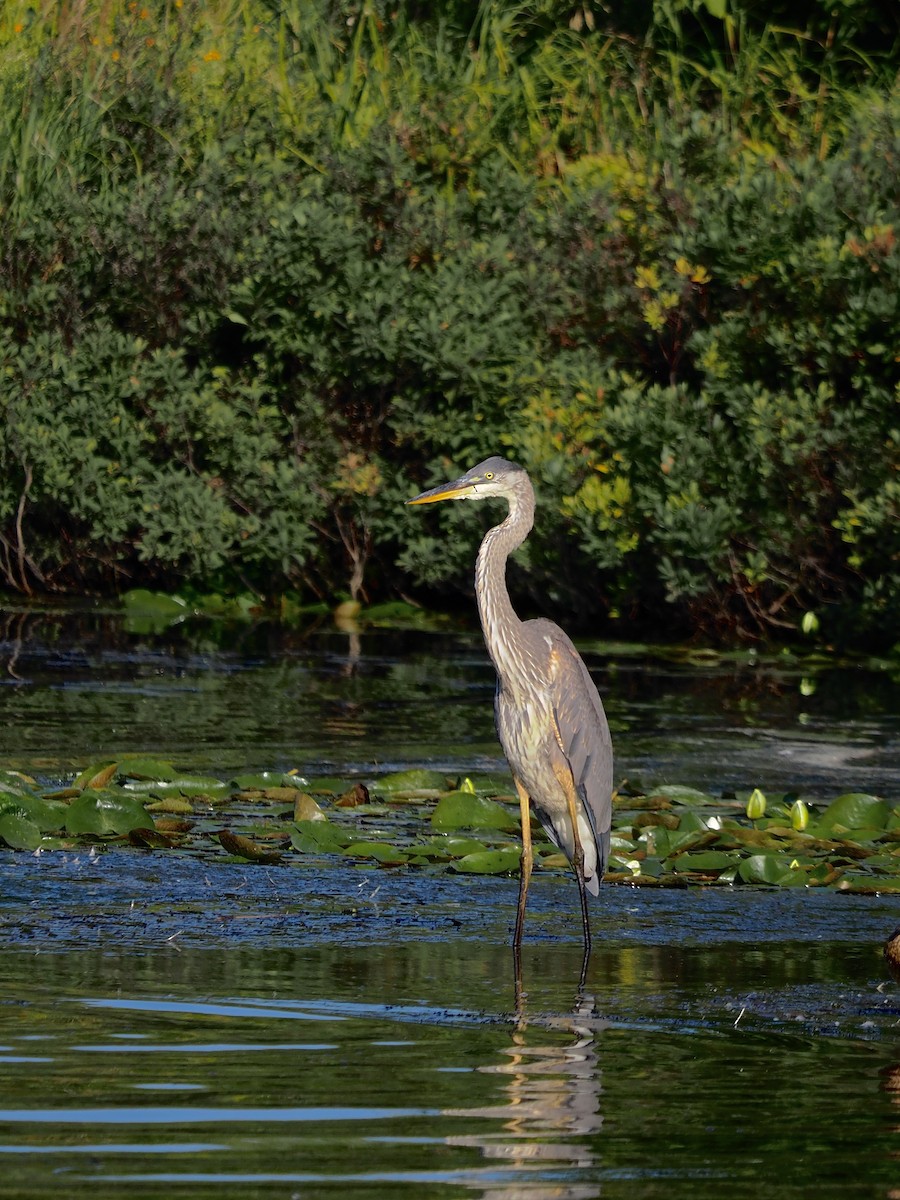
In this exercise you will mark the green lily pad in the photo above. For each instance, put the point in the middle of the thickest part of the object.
(704, 860)
(420, 779)
(48, 815)
(772, 869)
(854, 810)
(489, 862)
(106, 812)
(462, 810)
(261, 780)
(679, 794)
(382, 852)
(318, 837)
(448, 847)
(18, 831)
(155, 769)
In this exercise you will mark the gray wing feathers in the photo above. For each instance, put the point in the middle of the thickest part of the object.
(586, 741)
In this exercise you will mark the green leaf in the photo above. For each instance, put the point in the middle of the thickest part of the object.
(48, 815)
(144, 603)
(318, 837)
(447, 847)
(382, 852)
(854, 810)
(155, 769)
(462, 810)
(488, 862)
(419, 779)
(106, 812)
(679, 794)
(771, 869)
(19, 832)
(266, 779)
(705, 860)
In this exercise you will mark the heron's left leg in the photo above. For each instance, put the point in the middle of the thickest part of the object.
(567, 783)
(526, 863)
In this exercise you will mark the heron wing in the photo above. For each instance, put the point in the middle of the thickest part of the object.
(584, 737)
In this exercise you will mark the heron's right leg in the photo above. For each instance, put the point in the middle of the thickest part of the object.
(526, 863)
(564, 775)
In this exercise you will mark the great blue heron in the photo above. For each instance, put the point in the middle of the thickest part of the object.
(549, 716)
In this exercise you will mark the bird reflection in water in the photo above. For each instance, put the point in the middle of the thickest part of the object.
(546, 1120)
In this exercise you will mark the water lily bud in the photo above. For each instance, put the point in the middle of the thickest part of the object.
(756, 805)
(799, 816)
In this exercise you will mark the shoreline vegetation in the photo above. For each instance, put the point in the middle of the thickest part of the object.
(269, 269)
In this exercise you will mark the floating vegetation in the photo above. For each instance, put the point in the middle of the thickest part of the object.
(423, 820)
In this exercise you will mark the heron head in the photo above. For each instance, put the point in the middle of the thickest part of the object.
(493, 477)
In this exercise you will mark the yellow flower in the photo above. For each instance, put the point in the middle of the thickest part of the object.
(696, 274)
(646, 278)
(212, 56)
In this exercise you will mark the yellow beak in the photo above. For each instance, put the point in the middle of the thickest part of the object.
(446, 491)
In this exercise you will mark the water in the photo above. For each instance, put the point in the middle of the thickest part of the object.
(329, 1040)
(173, 1026)
(322, 701)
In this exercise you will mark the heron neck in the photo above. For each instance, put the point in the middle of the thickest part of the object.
(499, 622)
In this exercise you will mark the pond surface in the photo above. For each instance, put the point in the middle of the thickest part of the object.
(323, 702)
(173, 1026)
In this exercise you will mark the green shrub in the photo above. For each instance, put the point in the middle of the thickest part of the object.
(261, 277)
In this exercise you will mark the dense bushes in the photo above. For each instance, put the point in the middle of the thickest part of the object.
(264, 274)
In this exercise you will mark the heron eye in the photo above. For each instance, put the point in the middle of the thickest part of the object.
(489, 474)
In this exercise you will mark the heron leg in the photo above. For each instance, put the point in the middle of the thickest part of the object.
(564, 775)
(526, 863)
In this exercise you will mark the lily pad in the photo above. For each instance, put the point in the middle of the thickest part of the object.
(151, 838)
(106, 812)
(48, 815)
(18, 831)
(774, 869)
(382, 852)
(854, 810)
(97, 775)
(448, 847)
(679, 794)
(420, 779)
(705, 860)
(462, 810)
(489, 862)
(267, 779)
(319, 837)
(156, 769)
(306, 808)
(242, 847)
